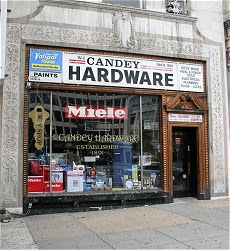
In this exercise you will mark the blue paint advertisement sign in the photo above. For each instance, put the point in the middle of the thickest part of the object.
(45, 60)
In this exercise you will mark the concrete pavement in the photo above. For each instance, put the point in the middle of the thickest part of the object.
(185, 224)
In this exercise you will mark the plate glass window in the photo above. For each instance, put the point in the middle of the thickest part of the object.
(93, 142)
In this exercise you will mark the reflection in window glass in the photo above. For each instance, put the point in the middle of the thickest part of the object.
(151, 142)
(96, 142)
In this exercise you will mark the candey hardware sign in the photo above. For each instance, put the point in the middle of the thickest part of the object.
(102, 70)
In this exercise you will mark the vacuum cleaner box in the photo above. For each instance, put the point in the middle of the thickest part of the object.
(74, 181)
(35, 184)
(56, 186)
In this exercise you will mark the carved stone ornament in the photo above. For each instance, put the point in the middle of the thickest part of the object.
(227, 28)
(12, 104)
(123, 30)
(185, 102)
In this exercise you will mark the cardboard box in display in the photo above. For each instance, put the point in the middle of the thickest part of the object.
(34, 167)
(56, 186)
(74, 181)
(44, 170)
(35, 184)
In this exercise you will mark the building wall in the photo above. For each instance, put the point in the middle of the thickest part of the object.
(226, 12)
(84, 24)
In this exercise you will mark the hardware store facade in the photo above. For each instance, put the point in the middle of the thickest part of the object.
(110, 121)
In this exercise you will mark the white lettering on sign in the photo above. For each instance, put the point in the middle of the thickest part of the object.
(85, 112)
(45, 57)
(34, 180)
(184, 118)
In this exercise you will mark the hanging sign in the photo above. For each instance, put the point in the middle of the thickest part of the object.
(45, 66)
(38, 116)
(184, 118)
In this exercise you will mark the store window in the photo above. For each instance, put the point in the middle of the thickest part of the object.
(86, 142)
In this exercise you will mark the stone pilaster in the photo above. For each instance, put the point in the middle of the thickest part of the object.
(227, 28)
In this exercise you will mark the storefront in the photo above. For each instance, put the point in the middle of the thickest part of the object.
(113, 130)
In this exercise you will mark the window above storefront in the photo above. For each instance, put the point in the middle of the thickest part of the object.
(178, 7)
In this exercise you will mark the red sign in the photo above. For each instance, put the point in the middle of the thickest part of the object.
(85, 112)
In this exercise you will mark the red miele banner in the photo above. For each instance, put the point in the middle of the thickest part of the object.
(85, 112)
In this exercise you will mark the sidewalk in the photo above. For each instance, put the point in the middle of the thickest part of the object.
(185, 224)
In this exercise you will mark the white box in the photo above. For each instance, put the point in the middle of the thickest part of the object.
(74, 181)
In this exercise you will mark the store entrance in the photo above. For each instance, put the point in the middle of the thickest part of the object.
(184, 161)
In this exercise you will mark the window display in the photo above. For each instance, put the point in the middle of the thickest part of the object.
(85, 142)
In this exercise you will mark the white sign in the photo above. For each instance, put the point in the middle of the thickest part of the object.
(184, 118)
(40, 76)
(118, 72)
(131, 72)
(191, 77)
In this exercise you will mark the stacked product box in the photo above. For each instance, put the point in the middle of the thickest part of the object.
(35, 184)
(34, 169)
(57, 182)
(74, 179)
(39, 178)
(35, 178)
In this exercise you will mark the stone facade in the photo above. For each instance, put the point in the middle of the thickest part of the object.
(118, 30)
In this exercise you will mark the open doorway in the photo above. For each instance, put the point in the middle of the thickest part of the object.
(184, 161)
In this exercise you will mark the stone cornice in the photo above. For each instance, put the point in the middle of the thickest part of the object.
(110, 7)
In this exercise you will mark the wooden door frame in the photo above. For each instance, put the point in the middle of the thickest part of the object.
(202, 157)
(199, 147)
(186, 103)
